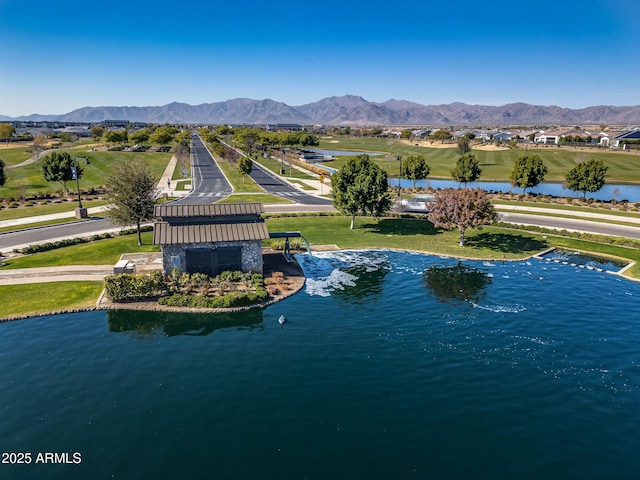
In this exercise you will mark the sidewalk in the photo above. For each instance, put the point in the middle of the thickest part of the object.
(569, 213)
(82, 273)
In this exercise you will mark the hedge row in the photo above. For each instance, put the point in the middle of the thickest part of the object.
(126, 286)
(591, 237)
(230, 300)
(44, 247)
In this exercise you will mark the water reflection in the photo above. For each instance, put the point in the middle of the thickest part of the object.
(368, 283)
(456, 284)
(172, 323)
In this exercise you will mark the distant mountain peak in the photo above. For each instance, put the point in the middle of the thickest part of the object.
(350, 110)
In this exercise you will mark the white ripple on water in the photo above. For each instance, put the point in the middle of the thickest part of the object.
(323, 286)
(324, 269)
(500, 308)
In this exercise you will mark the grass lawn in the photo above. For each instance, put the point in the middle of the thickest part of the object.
(48, 208)
(265, 198)
(289, 172)
(409, 234)
(30, 178)
(15, 155)
(48, 297)
(240, 185)
(99, 252)
(496, 165)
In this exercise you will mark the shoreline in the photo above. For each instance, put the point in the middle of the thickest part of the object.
(299, 281)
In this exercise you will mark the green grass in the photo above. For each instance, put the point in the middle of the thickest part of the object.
(303, 185)
(177, 173)
(276, 165)
(240, 185)
(48, 209)
(48, 297)
(30, 178)
(265, 198)
(183, 185)
(408, 234)
(496, 165)
(13, 156)
(99, 252)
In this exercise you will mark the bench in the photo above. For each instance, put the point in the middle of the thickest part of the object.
(121, 267)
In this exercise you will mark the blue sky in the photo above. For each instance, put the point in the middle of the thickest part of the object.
(62, 55)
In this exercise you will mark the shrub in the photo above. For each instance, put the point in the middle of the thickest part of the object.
(127, 286)
(230, 300)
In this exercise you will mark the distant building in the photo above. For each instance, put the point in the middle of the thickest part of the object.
(77, 131)
(210, 238)
(115, 123)
(628, 136)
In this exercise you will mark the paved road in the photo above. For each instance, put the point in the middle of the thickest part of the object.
(24, 238)
(277, 186)
(208, 183)
(571, 224)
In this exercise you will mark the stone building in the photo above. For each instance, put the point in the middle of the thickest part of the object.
(210, 238)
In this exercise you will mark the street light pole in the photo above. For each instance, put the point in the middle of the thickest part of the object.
(399, 174)
(75, 175)
(81, 212)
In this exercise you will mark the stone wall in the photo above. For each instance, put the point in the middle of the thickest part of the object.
(251, 254)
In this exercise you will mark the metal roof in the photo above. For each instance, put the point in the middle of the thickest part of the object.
(167, 234)
(169, 210)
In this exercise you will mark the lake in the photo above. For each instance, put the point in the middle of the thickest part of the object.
(606, 193)
(390, 365)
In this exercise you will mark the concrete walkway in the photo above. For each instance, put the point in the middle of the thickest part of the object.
(579, 214)
(84, 273)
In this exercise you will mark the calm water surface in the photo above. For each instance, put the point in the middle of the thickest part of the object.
(391, 365)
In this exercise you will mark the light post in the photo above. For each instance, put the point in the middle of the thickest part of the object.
(399, 175)
(81, 212)
(282, 169)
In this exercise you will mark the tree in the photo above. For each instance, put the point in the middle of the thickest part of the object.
(38, 146)
(360, 186)
(132, 192)
(97, 131)
(587, 176)
(6, 131)
(441, 135)
(140, 136)
(115, 136)
(3, 176)
(163, 135)
(59, 167)
(527, 172)
(245, 165)
(415, 168)
(461, 209)
(467, 169)
(464, 145)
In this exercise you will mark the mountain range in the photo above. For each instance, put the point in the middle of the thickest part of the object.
(350, 110)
